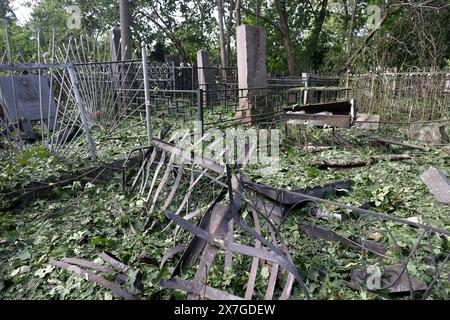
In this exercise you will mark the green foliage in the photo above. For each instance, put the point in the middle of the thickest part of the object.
(184, 27)
(83, 219)
(20, 38)
(6, 11)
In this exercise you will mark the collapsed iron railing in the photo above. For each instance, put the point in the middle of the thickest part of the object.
(382, 263)
(27, 95)
(383, 254)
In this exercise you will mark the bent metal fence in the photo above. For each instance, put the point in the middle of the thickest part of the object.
(281, 243)
(43, 102)
(226, 108)
(109, 94)
(66, 99)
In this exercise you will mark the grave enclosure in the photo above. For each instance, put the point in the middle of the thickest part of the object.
(114, 91)
(75, 105)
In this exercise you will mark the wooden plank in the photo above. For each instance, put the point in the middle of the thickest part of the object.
(336, 121)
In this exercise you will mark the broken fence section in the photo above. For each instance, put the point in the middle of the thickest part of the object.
(375, 242)
(226, 213)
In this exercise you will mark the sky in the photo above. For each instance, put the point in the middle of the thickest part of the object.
(21, 10)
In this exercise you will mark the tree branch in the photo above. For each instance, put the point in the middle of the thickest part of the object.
(273, 24)
(177, 42)
(390, 13)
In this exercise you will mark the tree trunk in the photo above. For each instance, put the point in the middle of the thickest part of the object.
(287, 41)
(258, 12)
(370, 35)
(223, 55)
(180, 48)
(238, 13)
(229, 27)
(351, 28)
(312, 48)
(125, 29)
(345, 22)
(360, 163)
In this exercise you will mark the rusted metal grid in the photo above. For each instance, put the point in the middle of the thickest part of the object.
(224, 108)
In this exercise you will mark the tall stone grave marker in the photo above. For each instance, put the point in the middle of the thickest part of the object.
(252, 73)
(205, 76)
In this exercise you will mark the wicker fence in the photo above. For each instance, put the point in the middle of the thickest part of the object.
(398, 96)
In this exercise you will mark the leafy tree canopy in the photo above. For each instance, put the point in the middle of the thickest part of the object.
(331, 35)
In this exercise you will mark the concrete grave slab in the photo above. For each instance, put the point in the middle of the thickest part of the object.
(432, 135)
(438, 184)
(367, 121)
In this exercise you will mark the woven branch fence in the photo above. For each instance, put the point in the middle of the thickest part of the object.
(402, 96)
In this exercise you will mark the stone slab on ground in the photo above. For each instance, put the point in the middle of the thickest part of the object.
(438, 184)
(432, 135)
(367, 121)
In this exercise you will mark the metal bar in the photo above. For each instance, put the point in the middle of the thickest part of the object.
(274, 257)
(255, 261)
(90, 276)
(34, 66)
(84, 120)
(198, 159)
(198, 289)
(155, 175)
(200, 115)
(125, 28)
(172, 252)
(148, 114)
(162, 183)
(294, 198)
(116, 264)
(174, 187)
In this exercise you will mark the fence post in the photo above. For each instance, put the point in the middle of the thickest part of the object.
(200, 115)
(347, 85)
(306, 91)
(148, 114)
